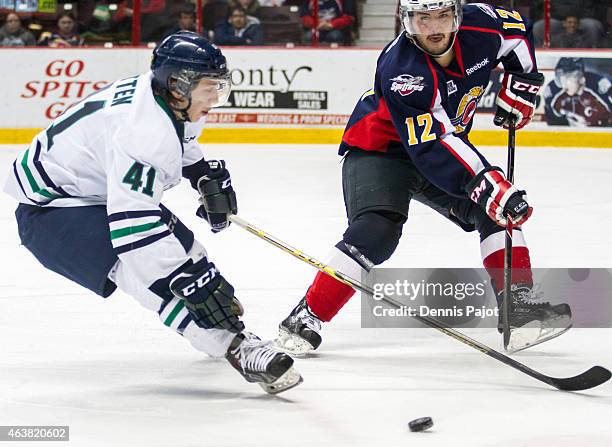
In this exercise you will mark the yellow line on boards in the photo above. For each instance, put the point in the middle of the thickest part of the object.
(17, 136)
(268, 135)
(280, 135)
(601, 140)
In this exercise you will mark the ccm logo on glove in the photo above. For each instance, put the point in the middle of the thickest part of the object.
(529, 88)
(200, 282)
(475, 196)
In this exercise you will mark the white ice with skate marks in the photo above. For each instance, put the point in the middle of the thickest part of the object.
(111, 371)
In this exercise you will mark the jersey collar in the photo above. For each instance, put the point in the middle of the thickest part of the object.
(458, 59)
(179, 126)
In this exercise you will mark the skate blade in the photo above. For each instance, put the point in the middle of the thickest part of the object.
(289, 380)
(527, 337)
(291, 344)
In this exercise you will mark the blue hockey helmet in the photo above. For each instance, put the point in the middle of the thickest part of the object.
(569, 74)
(569, 65)
(182, 59)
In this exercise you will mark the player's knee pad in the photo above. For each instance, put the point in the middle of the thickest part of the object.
(375, 235)
(158, 295)
(470, 213)
(208, 297)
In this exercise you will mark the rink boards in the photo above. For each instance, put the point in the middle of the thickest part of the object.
(280, 95)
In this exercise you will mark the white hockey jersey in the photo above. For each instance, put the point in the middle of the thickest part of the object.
(120, 147)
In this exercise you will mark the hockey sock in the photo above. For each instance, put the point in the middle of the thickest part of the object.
(492, 251)
(327, 295)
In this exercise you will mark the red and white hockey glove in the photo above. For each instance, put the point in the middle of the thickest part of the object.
(499, 197)
(517, 98)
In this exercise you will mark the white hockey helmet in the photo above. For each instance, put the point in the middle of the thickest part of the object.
(422, 24)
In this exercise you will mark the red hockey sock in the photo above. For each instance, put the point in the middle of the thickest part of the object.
(492, 250)
(327, 295)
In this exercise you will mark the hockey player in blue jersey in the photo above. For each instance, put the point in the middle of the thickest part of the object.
(90, 189)
(407, 138)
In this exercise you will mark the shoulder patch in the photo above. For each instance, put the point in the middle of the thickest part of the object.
(406, 84)
(487, 9)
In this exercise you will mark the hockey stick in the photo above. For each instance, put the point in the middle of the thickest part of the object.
(508, 248)
(588, 379)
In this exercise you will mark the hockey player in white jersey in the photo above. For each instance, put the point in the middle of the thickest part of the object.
(90, 188)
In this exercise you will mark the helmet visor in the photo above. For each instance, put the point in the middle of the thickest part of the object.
(223, 87)
(430, 22)
(214, 91)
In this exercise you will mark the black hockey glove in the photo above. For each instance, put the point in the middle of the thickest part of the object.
(217, 197)
(517, 98)
(498, 197)
(209, 298)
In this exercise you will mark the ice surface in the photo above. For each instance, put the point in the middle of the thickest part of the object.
(117, 376)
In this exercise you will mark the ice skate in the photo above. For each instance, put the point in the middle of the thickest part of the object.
(533, 321)
(259, 363)
(299, 333)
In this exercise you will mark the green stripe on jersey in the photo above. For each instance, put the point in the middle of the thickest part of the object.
(179, 306)
(115, 234)
(32, 181)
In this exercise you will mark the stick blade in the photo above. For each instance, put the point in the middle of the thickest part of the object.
(585, 381)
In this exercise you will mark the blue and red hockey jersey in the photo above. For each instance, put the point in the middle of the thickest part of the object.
(422, 109)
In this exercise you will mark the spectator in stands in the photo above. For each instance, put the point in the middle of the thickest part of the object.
(587, 10)
(185, 19)
(336, 18)
(250, 6)
(65, 35)
(240, 29)
(100, 20)
(12, 34)
(572, 36)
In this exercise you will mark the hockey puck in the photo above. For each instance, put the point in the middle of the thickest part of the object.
(420, 424)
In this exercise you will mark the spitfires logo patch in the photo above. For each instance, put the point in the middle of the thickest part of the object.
(467, 108)
(407, 84)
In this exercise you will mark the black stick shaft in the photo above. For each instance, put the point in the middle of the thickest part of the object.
(508, 248)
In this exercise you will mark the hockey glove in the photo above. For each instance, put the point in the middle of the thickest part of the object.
(217, 197)
(209, 298)
(498, 197)
(517, 98)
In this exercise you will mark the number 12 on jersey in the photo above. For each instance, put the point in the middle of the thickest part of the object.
(426, 122)
(511, 15)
